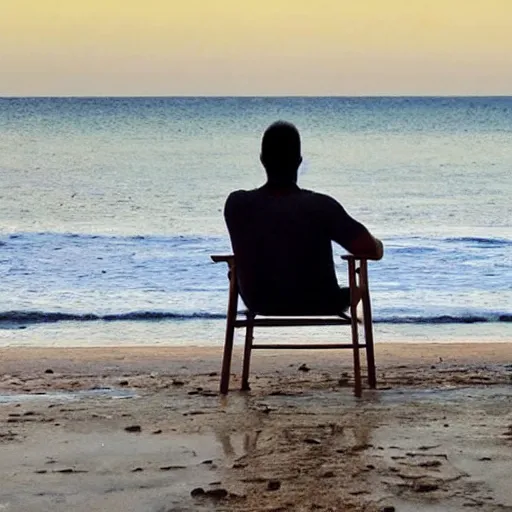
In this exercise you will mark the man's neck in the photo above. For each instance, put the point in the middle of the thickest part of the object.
(280, 189)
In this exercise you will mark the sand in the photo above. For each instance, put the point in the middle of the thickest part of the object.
(144, 429)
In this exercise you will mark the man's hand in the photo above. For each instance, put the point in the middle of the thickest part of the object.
(367, 246)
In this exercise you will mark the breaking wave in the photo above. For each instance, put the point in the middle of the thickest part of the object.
(20, 318)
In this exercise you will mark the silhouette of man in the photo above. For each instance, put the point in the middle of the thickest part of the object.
(282, 236)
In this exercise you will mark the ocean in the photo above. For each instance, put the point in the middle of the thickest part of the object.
(110, 208)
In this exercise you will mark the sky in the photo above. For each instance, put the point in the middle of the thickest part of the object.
(255, 47)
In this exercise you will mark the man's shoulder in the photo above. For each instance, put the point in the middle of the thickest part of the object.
(313, 194)
(241, 195)
(318, 197)
(239, 200)
(304, 193)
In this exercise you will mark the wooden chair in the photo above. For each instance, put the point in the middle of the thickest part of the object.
(357, 276)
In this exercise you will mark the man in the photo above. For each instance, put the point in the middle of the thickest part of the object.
(282, 234)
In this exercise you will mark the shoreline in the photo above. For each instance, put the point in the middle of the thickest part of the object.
(388, 349)
(211, 334)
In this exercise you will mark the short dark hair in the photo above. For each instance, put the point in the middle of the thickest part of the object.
(280, 145)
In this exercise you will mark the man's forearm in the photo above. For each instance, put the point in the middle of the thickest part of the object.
(379, 248)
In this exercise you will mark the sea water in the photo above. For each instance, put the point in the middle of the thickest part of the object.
(110, 208)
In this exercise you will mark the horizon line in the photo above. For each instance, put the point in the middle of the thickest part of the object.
(277, 96)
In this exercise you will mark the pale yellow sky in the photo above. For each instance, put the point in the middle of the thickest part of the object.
(255, 47)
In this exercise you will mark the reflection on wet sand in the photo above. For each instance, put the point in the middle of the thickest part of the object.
(411, 449)
(439, 439)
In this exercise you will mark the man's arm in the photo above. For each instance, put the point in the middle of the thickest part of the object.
(350, 233)
(231, 207)
(365, 244)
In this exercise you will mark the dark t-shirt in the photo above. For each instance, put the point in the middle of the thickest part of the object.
(283, 251)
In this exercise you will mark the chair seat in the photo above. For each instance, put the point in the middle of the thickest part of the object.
(326, 304)
(290, 321)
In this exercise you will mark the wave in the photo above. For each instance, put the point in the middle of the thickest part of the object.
(445, 319)
(21, 318)
(51, 235)
(480, 240)
(44, 317)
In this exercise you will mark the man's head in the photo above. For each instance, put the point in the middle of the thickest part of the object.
(280, 153)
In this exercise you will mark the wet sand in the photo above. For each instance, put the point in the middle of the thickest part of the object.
(144, 429)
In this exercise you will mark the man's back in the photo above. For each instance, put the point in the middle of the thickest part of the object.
(282, 244)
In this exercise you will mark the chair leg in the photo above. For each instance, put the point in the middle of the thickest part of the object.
(355, 332)
(230, 333)
(368, 326)
(247, 352)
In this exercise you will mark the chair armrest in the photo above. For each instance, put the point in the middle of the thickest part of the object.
(355, 257)
(227, 258)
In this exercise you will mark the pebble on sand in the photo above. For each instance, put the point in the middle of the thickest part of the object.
(425, 486)
(211, 493)
(133, 428)
(273, 485)
(312, 440)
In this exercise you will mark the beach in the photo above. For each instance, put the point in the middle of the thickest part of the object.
(144, 429)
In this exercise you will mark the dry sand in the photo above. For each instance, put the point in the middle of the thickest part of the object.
(436, 436)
